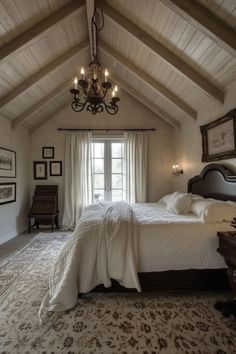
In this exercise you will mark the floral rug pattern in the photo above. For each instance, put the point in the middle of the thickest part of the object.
(103, 323)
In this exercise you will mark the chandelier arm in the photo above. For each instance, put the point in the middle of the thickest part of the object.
(112, 108)
(78, 106)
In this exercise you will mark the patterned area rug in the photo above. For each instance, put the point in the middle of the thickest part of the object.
(103, 323)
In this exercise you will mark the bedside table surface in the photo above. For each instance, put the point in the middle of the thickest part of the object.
(226, 233)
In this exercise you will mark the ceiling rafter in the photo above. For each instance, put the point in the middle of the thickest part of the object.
(200, 17)
(146, 102)
(90, 11)
(25, 116)
(36, 30)
(46, 70)
(158, 48)
(162, 90)
(49, 117)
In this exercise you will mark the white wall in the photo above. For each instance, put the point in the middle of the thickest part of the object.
(131, 114)
(188, 141)
(13, 216)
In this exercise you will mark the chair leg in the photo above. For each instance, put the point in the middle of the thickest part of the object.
(29, 225)
(57, 224)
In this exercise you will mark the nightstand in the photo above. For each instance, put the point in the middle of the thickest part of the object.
(227, 249)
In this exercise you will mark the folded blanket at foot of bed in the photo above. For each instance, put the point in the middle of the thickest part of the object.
(103, 246)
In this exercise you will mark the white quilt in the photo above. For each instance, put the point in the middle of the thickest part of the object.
(103, 246)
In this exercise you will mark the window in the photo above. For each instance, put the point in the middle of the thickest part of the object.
(108, 169)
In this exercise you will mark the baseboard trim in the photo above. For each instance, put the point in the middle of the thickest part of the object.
(12, 234)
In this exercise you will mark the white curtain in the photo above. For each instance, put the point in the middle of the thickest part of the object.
(78, 177)
(135, 151)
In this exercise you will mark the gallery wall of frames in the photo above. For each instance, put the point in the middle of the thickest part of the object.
(44, 169)
(7, 170)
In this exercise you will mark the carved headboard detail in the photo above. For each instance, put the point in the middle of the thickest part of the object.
(215, 181)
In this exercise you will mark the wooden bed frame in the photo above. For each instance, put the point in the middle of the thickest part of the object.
(215, 181)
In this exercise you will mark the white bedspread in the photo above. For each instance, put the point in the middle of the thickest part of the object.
(176, 242)
(103, 246)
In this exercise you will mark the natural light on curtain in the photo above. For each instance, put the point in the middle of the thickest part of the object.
(135, 152)
(78, 177)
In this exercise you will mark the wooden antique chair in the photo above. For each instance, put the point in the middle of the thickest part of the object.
(44, 209)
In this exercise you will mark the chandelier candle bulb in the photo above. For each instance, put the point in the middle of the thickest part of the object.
(82, 73)
(76, 83)
(116, 88)
(106, 74)
(113, 93)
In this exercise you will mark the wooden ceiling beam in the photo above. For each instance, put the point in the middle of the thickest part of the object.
(36, 30)
(153, 107)
(21, 88)
(200, 17)
(90, 11)
(162, 90)
(166, 54)
(25, 116)
(46, 119)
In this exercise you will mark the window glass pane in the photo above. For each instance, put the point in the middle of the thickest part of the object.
(116, 195)
(116, 150)
(117, 181)
(98, 149)
(98, 181)
(116, 165)
(98, 195)
(98, 165)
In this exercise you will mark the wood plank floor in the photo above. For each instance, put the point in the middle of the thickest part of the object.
(18, 242)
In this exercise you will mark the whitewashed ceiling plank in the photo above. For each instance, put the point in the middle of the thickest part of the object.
(203, 19)
(25, 85)
(153, 107)
(164, 52)
(43, 102)
(170, 96)
(36, 30)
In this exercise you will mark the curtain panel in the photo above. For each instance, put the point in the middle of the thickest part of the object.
(135, 156)
(78, 177)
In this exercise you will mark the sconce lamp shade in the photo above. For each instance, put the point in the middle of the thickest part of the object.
(176, 171)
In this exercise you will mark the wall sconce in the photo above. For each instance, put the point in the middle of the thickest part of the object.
(176, 171)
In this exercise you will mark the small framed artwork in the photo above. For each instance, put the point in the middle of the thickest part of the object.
(40, 170)
(7, 163)
(7, 193)
(219, 138)
(48, 152)
(55, 168)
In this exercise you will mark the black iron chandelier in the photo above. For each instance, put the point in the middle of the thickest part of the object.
(94, 84)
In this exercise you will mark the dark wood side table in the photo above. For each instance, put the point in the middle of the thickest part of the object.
(227, 249)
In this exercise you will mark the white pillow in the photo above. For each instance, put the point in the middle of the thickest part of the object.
(212, 211)
(165, 199)
(197, 196)
(179, 203)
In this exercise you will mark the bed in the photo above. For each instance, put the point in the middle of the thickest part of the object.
(161, 264)
(214, 181)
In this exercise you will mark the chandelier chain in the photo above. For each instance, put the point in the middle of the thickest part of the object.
(95, 30)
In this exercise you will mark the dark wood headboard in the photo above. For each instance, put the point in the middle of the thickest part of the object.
(215, 181)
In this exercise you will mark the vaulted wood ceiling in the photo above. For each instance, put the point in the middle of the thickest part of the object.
(174, 56)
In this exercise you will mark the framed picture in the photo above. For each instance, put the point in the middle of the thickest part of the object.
(55, 168)
(40, 170)
(7, 163)
(48, 152)
(7, 193)
(219, 138)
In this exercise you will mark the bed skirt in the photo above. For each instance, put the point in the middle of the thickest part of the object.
(176, 281)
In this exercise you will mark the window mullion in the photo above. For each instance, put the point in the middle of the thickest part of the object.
(108, 170)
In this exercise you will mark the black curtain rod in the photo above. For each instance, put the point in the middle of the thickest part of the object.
(110, 129)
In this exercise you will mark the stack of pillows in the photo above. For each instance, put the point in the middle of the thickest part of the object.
(208, 210)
